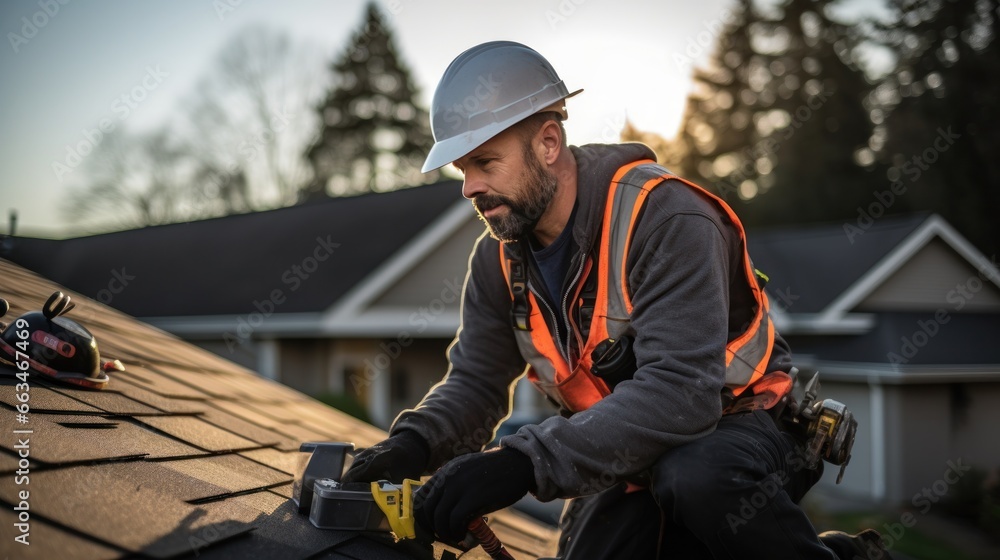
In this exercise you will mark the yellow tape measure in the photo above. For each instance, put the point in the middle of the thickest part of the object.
(396, 502)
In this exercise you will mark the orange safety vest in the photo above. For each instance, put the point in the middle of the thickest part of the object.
(574, 387)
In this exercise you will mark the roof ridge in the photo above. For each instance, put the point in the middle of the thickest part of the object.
(329, 201)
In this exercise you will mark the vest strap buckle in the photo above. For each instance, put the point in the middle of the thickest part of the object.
(520, 309)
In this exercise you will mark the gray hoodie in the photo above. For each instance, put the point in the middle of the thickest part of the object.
(689, 299)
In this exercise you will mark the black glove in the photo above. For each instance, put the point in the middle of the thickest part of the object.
(470, 486)
(403, 455)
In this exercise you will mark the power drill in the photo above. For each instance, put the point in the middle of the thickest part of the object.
(827, 426)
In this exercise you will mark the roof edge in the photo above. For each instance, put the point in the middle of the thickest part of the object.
(874, 373)
(820, 324)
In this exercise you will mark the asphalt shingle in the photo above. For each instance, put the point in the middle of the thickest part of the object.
(195, 431)
(51, 541)
(137, 506)
(44, 399)
(183, 454)
(76, 438)
(257, 434)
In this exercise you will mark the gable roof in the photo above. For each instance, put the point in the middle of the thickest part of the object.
(307, 256)
(932, 228)
(822, 277)
(816, 264)
(878, 289)
(183, 454)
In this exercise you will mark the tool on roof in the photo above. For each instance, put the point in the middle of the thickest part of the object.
(52, 345)
(377, 507)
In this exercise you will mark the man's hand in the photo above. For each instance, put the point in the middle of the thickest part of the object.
(403, 455)
(471, 486)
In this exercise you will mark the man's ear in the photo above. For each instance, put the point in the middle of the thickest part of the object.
(549, 136)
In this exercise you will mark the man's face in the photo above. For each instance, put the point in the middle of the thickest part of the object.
(508, 185)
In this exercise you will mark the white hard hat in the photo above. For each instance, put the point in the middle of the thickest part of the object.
(484, 91)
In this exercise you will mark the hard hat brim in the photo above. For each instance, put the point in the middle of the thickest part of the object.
(451, 149)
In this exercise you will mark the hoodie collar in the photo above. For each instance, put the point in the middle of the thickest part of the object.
(596, 165)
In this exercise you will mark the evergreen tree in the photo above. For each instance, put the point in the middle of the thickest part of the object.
(373, 135)
(821, 167)
(669, 153)
(940, 109)
(777, 118)
(716, 130)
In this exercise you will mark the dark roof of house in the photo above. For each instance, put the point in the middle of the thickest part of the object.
(814, 264)
(184, 454)
(303, 257)
(251, 258)
(912, 338)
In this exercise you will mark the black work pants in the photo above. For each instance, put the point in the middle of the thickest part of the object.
(731, 494)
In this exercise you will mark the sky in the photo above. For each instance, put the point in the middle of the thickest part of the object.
(68, 67)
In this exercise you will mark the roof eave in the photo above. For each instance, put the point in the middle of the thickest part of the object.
(902, 374)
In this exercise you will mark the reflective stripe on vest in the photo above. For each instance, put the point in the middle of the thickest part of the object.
(575, 388)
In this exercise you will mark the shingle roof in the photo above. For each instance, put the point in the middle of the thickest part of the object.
(917, 338)
(221, 266)
(183, 454)
(819, 262)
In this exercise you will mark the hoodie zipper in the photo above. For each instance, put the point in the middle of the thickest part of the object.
(565, 311)
(552, 313)
(564, 348)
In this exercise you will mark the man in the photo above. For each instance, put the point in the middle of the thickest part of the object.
(597, 260)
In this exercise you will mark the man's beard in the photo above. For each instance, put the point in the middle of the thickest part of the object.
(535, 190)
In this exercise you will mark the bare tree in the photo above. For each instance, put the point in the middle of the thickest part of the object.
(250, 113)
(133, 180)
(235, 148)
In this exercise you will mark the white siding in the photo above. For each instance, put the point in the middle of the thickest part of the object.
(442, 270)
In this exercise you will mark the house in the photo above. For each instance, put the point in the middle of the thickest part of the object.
(900, 317)
(183, 454)
(355, 295)
(902, 321)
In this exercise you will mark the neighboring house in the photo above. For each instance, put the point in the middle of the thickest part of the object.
(183, 455)
(356, 295)
(902, 320)
(377, 316)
